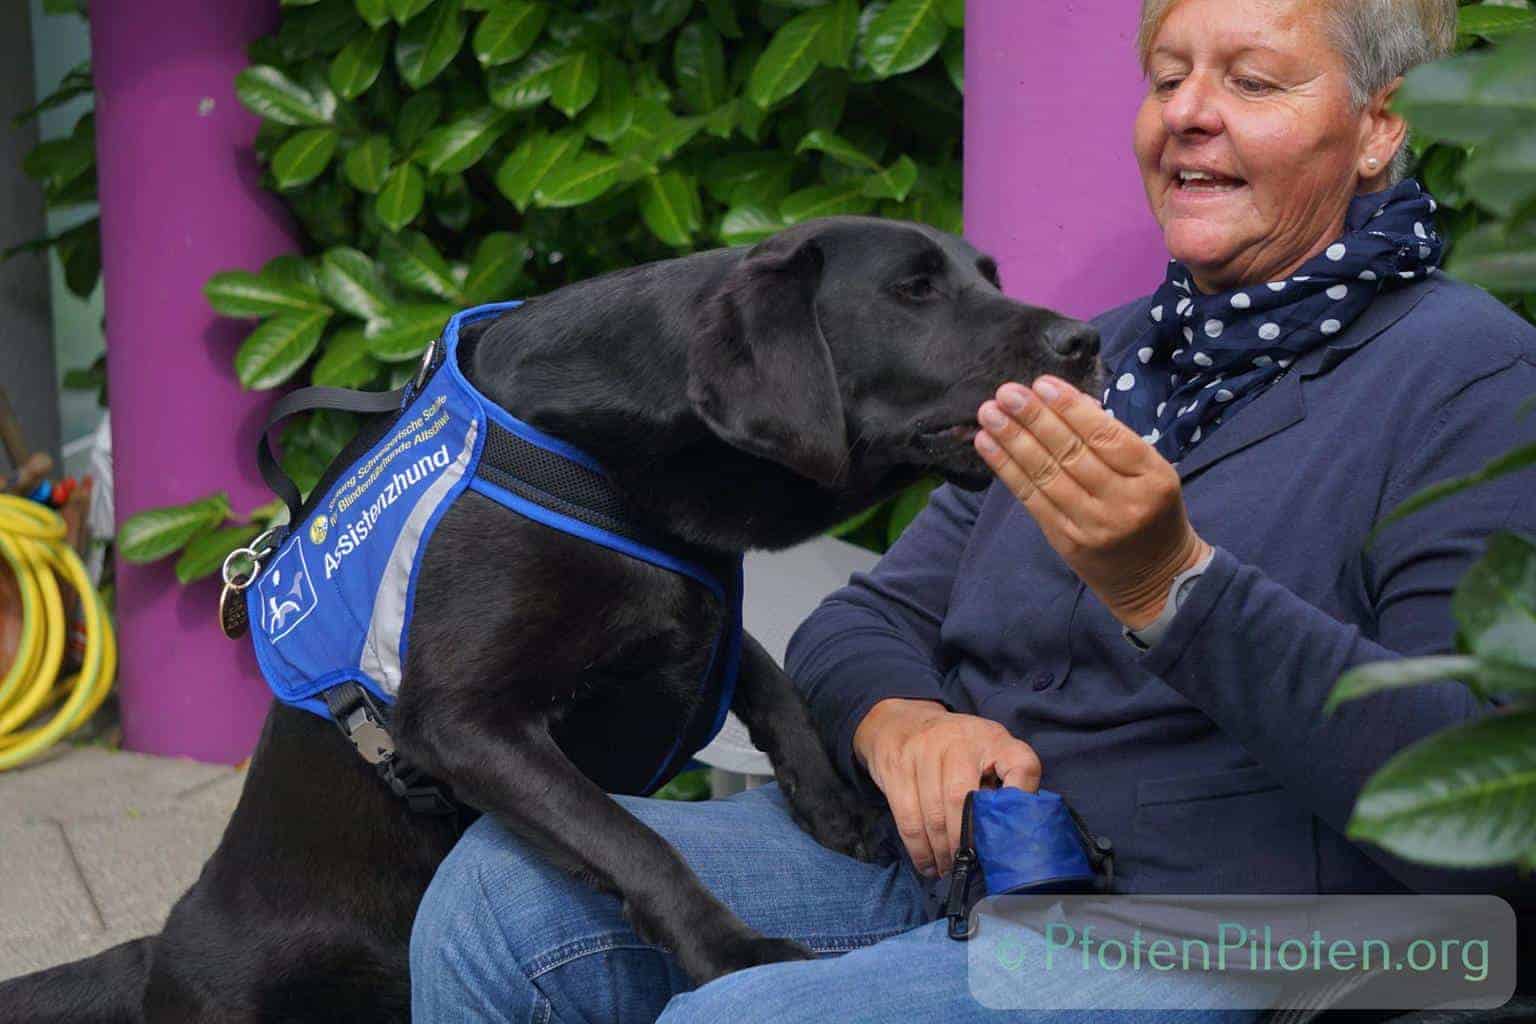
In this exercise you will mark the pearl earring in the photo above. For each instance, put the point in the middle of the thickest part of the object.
(1372, 163)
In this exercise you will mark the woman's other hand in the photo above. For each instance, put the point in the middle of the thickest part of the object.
(925, 759)
(1105, 499)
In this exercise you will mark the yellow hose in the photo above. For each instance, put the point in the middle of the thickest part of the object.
(32, 544)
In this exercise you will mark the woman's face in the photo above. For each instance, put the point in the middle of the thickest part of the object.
(1249, 144)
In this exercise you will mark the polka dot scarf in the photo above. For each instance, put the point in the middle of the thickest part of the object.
(1203, 357)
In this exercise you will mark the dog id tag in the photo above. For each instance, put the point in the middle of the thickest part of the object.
(234, 618)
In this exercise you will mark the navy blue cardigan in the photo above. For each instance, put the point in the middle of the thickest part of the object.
(1208, 760)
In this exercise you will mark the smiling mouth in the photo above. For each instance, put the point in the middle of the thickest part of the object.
(1205, 183)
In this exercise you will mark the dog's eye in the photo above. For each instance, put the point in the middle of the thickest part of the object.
(916, 289)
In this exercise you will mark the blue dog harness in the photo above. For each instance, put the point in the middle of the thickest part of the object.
(330, 608)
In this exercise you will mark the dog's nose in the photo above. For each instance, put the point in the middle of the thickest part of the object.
(1072, 339)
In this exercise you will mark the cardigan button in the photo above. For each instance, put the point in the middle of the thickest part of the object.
(1042, 680)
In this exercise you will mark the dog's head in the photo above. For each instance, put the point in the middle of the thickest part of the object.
(851, 348)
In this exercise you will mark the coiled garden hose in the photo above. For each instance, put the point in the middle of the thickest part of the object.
(32, 544)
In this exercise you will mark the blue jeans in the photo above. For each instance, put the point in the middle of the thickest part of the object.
(504, 937)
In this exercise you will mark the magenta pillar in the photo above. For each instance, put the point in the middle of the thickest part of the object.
(1051, 187)
(180, 200)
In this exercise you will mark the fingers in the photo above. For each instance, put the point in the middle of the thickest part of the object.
(907, 809)
(930, 791)
(1060, 444)
(1018, 765)
(1024, 466)
(1114, 445)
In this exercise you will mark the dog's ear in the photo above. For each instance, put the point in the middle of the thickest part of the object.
(760, 373)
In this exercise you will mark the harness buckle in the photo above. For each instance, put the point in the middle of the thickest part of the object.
(367, 733)
(426, 367)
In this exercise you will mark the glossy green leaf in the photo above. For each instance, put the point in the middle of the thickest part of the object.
(904, 37)
(1496, 258)
(276, 97)
(722, 15)
(525, 84)
(367, 167)
(1495, 603)
(301, 159)
(353, 283)
(839, 32)
(507, 31)
(399, 201)
(1392, 675)
(653, 19)
(698, 61)
(1502, 173)
(953, 12)
(412, 260)
(907, 506)
(57, 162)
(893, 182)
(1465, 100)
(495, 265)
(527, 166)
(374, 12)
(206, 552)
(748, 225)
(839, 149)
(242, 293)
(670, 206)
(825, 201)
(613, 111)
(405, 332)
(155, 533)
(404, 10)
(574, 83)
(578, 180)
(418, 115)
(428, 44)
(1465, 797)
(345, 362)
(789, 60)
(275, 351)
(357, 66)
(953, 55)
(459, 145)
(1492, 22)
(750, 178)
(451, 203)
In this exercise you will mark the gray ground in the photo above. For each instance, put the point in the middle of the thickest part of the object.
(95, 846)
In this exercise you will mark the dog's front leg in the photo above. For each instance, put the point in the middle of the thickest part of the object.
(521, 776)
(780, 725)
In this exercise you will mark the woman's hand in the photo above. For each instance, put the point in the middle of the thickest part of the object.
(925, 759)
(1105, 499)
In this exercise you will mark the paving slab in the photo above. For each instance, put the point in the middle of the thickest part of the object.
(96, 845)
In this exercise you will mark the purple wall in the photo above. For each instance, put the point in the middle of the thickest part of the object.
(1051, 186)
(179, 201)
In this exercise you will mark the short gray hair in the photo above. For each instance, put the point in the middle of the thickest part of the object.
(1378, 39)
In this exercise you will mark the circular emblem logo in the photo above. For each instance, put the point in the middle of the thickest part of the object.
(317, 530)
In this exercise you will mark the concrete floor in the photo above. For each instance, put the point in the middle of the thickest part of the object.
(95, 846)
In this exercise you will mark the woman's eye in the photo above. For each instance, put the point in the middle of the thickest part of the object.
(1168, 85)
(1253, 86)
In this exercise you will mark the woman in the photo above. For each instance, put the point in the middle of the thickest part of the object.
(1302, 370)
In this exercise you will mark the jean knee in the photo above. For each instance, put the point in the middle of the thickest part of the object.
(460, 923)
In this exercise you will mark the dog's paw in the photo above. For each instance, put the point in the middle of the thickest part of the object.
(741, 952)
(837, 820)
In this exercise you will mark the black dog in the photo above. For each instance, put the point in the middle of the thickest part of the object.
(740, 399)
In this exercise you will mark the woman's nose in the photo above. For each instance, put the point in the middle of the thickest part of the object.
(1193, 107)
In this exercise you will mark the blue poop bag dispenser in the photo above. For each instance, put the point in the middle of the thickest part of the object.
(1023, 843)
